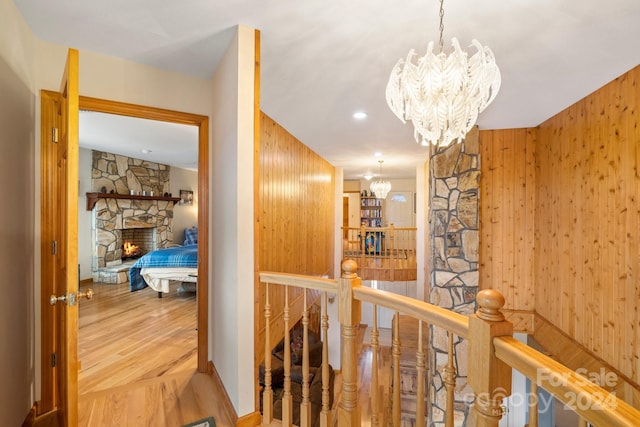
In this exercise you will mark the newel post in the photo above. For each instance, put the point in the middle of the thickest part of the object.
(349, 315)
(489, 377)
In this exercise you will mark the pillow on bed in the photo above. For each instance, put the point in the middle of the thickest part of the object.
(191, 236)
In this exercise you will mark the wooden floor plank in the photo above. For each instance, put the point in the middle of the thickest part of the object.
(138, 358)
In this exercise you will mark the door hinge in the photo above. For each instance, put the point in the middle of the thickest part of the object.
(53, 360)
(54, 247)
(54, 134)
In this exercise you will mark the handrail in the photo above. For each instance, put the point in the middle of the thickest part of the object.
(300, 280)
(432, 314)
(589, 400)
(493, 352)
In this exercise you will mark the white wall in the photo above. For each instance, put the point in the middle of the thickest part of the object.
(517, 403)
(184, 216)
(332, 305)
(397, 185)
(19, 173)
(231, 305)
(421, 234)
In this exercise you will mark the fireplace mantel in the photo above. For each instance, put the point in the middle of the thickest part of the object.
(92, 198)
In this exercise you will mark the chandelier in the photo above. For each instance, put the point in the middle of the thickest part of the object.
(443, 94)
(379, 187)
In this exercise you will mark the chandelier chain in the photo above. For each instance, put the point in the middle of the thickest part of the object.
(441, 25)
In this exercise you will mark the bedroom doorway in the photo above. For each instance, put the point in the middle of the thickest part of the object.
(49, 383)
(202, 214)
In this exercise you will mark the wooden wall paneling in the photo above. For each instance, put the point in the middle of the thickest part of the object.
(602, 217)
(507, 215)
(630, 332)
(541, 221)
(565, 235)
(526, 286)
(519, 210)
(614, 245)
(629, 127)
(586, 224)
(486, 210)
(508, 160)
(589, 230)
(578, 184)
(554, 203)
(296, 209)
(498, 281)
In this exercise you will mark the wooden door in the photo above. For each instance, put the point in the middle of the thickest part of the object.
(59, 219)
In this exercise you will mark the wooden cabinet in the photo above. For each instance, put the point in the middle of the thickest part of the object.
(371, 214)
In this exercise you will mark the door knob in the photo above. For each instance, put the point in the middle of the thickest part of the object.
(88, 294)
(54, 299)
(72, 298)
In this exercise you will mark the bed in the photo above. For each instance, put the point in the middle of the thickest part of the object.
(157, 268)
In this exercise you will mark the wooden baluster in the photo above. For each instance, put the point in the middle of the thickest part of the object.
(420, 369)
(267, 395)
(409, 246)
(287, 404)
(450, 382)
(305, 405)
(395, 353)
(363, 245)
(349, 315)
(489, 377)
(392, 265)
(533, 405)
(375, 342)
(325, 414)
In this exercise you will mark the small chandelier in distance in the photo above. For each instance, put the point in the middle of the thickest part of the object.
(379, 187)
(443, 95)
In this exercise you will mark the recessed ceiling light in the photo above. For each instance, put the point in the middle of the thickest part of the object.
(368, 177)
(377, 154)
(145, 151)
(359, 115)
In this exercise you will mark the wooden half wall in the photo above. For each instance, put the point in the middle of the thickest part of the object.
(296, 219)
(560, 220)
(588, 222)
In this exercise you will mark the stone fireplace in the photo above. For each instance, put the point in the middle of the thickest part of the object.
(114, 219)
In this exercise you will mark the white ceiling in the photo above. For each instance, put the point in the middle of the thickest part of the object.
(323, 60)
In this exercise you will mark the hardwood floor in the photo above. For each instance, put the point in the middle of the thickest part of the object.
(364, 378)
(138, 363)
(138, 358)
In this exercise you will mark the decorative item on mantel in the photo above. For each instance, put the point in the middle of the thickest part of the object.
(443, 94)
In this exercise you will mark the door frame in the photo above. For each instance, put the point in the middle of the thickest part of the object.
(49, 379)
(202, 122)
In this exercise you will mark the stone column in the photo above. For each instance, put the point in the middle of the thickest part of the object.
(454, 181)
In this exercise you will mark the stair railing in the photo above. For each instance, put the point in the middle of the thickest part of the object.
(493, 353)
(382, 253)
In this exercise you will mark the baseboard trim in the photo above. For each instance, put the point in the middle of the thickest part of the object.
(30, 419)
(523, 321)
(251, 420)
(565, 349)
(226, 403)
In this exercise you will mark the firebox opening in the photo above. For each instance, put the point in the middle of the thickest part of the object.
(137, 241)
(131, 251)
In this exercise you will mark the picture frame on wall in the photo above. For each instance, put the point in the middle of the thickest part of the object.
(186, 197)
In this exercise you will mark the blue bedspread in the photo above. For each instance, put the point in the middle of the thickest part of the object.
(179, 256)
